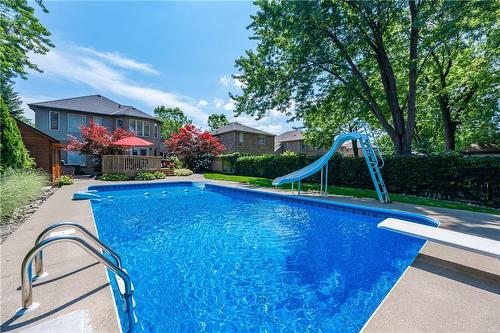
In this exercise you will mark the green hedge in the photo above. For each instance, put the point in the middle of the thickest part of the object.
(474, 180)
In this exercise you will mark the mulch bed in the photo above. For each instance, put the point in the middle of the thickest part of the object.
(9, 225)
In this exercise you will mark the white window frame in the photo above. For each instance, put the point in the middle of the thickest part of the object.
(116, 123)
(144, 122)
(58, 121)
(241, 137)
(262, 139)
(78, 115)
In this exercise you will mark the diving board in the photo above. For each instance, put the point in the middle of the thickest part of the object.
(486, 246)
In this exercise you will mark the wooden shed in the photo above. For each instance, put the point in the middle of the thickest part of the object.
(45, 150)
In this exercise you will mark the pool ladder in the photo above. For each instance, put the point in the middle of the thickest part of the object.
(51, 236)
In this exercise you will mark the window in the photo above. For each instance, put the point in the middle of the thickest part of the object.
(241, 137)
(285, 145)
(155, 130)
(75, 122)
(97, 120)
(140, 127)
(303, 146)
(75, 158)
(262, 139)
(54, 121)
(119, 123)
(140, 152)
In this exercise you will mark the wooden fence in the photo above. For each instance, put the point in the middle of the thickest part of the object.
(129, 165)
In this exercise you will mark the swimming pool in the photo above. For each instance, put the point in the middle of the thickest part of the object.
(216, 259)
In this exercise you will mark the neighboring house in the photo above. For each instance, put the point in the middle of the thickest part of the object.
(44, 149)
(293, 141)
(243, 139)
(63, 117)
(483, 150)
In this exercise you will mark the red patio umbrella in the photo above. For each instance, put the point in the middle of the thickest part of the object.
(132, 141)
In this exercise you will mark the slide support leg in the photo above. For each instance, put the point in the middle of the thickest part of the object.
(321, 183)
(299, 188)
(326, 180)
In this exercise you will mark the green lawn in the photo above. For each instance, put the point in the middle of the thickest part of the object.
(354, 192)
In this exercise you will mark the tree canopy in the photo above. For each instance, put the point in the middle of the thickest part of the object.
(173, 119)
(196, 148)
(370, 53)
(216, 121)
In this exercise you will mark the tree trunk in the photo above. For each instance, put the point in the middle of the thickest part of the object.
(355, 148)
(449, 126)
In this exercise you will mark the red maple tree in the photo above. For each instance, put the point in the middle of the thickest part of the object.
(97, 140)
(196, 148)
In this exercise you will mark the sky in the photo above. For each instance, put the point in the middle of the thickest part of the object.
(147, 54)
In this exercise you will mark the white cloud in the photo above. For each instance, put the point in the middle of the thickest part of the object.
(202, 103)
(218, 103)
(72, 65)
(120, 60)
(229, 106)
(229, 82)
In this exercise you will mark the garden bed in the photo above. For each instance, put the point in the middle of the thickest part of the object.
(10, 224)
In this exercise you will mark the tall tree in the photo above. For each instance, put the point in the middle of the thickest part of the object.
(216, 121)
(462, 76)
(13, 153)
(20, 33)
(371, 50)
(13, 102)
(173, 119)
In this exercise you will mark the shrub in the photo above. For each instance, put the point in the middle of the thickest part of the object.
(115, 177)
(145, 176)
(196, 148)
(18, 188)
(183, 172)
(173, 162)
(450, 177)
(63, 180)
(159, 175)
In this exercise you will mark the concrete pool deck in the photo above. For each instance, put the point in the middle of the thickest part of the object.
(444, 290)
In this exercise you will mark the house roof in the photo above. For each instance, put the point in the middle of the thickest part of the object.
(93, 104)
(488, 148)
(290, 136)
(235, 126)
(51, 139)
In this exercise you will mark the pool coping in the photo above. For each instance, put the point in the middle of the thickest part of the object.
(351, 208)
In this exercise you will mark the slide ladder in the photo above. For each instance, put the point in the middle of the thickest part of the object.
(372, 157)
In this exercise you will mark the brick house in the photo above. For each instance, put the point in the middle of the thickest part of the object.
(244, 139)
(294, 141)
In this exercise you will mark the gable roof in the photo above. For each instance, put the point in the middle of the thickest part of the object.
(290, 136)
(93, 104)
(235, 126)
(37, 131)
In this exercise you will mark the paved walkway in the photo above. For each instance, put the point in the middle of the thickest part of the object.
(444, 290)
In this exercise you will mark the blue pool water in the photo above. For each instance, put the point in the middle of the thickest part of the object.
(222, 260)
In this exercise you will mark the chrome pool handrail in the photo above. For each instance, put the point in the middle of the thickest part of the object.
(39, 258)
(27, 284)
